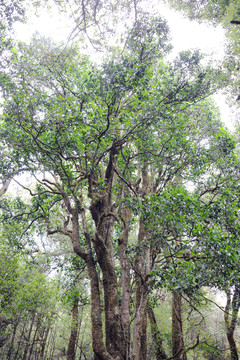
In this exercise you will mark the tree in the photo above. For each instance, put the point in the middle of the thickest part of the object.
(227, 14)
(26, 309)
(104, 145)
(11, 11)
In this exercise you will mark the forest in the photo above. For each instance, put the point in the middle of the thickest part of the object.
(119, 185)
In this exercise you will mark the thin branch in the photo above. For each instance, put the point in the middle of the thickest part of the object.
(128, 184)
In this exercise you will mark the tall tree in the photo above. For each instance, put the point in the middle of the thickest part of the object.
(105, 144)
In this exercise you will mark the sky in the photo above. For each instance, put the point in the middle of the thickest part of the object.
(185, 34)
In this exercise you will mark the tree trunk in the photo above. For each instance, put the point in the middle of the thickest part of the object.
(99, 348)
(142, 270)
(48, 344)
(177, 328)
(139, 334)
(232, 345)
(102, 213)
(21, 337)
(113, 329)
(52, 344)
(44, 341)
(125, 281)
(28, 337)
(156, 336)
(12, 340)
(232, 307)
(34, 338)
(71, 351)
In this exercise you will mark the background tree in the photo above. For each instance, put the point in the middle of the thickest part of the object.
(227, 14)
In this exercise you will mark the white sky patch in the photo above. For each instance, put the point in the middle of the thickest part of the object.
(185, 33)
(188, 34)
(50, 23)
(228, 116)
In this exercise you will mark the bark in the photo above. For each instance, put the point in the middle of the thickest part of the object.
(71, 351)
(113, 329)
(142, 270)
(232, 345)
(232, 307)
(99, 348)
(96, 319)
(21, 338)
(44, 341)
(125, 281)
(156, 336)
(141, 298)
(28, 337)
(4, 187)
(177, 328)
(48, 343)
(102, 213)
(34, 339)
(12, 340)
(139, 350)
(53, 345)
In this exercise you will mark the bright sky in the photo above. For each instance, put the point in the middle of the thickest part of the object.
(185, 35)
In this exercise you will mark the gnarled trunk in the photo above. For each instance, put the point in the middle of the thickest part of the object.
(103, 216)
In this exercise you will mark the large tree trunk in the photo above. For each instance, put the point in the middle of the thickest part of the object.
(99, 348)
(102, 213)
(232, 307)
(113, 329)
(96, 319)
(177, 328)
